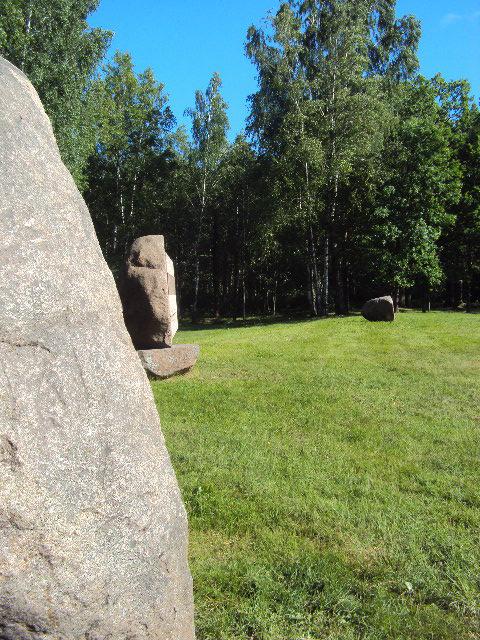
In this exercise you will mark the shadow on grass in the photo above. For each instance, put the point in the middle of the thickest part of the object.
(211, 324)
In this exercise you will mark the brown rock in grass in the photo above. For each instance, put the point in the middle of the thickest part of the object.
(379, 310)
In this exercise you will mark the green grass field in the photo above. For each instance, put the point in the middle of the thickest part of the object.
(331, 474)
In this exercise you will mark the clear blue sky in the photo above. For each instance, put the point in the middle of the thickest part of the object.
(185, 41)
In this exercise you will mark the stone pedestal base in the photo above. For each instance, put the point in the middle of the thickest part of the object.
(172, 361)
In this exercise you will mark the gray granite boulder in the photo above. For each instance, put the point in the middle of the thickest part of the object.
(379, 310)
(147, 290)
(166, 363)
(93, 532)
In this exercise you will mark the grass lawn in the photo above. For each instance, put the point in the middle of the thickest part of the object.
(331, 474)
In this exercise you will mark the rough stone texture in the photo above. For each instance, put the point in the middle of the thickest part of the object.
(379, 310)
(172, 297)
(147, 290)
(93, 533)
(165, 363)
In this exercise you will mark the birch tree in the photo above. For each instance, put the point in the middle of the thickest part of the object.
(134, 128)
(319, 111)
(209, 133)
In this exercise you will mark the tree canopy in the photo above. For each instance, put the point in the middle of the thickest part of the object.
(355, 175)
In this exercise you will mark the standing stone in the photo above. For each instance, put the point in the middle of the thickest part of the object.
(148, 294)
(93, 532)
(149, 303)
(379, 310)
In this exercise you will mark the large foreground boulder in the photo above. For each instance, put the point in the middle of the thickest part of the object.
(93, 532)
(379, 310)
(147, 290)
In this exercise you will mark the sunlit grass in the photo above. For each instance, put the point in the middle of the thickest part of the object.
(331, 474)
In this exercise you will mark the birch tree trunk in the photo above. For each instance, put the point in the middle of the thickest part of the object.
(28, 27)
(197, 245)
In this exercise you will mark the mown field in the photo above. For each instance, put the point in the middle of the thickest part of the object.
(331, 473)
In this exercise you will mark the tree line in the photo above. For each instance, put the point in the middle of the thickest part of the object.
(355, 175)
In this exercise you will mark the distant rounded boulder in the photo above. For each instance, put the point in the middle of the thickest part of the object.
(379, 310)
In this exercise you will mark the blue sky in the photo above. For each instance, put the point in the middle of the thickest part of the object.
(185, 41)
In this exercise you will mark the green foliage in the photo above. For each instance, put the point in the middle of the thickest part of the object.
(132, 154)
(330, 473)
(419, 186)
(461, 243)
(321, 112)
(209, 126)
(357, 178)
(51, 42)
(209, 133)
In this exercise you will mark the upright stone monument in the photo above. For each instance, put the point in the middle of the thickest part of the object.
(148, 294)
(149, 299)
(93, 532)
